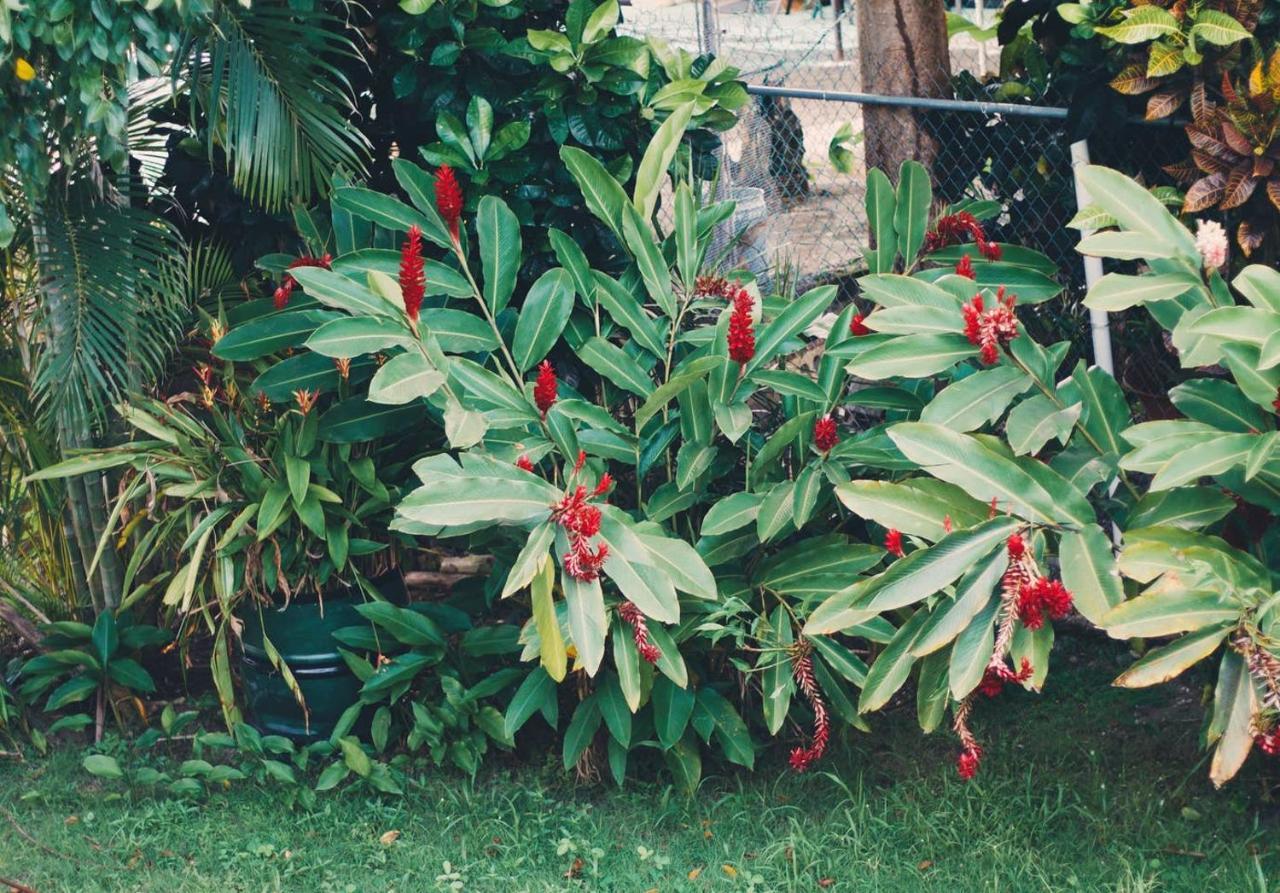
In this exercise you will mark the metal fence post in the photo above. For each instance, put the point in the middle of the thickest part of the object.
(1099, 326)
(708, 32)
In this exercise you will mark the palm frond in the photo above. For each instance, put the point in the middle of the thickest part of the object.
(276, 99)
(113, 286)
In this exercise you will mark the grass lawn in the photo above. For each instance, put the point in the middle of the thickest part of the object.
(1084, 788)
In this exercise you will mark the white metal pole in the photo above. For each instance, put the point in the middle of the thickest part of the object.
(1100, 327)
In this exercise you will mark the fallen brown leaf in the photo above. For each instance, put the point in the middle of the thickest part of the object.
(389, 838)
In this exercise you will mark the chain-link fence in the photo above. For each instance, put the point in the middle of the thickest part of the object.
(802, 213)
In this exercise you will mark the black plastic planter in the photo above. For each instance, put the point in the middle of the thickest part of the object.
(303, 635)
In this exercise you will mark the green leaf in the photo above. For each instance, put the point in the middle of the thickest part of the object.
(530, 560)
(542, 318)
(892, 667)
(1160, 612)
(794, 319)
(105, 637)
(498, 234)
(627, 312)
(271, 334)
(1088, 568)
(355, 337)
(960, 459)
(688, 258)
(912, 356)
(1034, 422)
(686, 374)
(611, 362)
(672, 707)
(601, 21)
(403, 378)
(1187, 507)
(389, 213)
(972, 651)
(1142, 24)
(551, 648)
(730, 513)
(658, 155)
(307, 372)
(629, 566)
(613, 708)
(582, 729)
(421, 188)
(639, 239)
(335, 290)
(1117, 291)
(626, 660)
(977, 399)
(298, 472)
(587, 622)
(911, 211)
(1218, 28)
(605, 198)
(1162, 664)
(406, 626)
(102, 766)
(74, 690)
(952, 616)
(468, 500)
(729, 729)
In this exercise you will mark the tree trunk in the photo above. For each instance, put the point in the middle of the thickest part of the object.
(902, 50)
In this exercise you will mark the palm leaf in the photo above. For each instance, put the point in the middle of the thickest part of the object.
(275, 98)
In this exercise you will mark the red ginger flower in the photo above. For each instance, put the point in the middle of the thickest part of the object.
(742, 339)
(639, 632)
(965, 268)
(581, 521)
(990, 329)
(951, 230)
(288, 283)
(802, 670)
(413, 276)
(449, 198)
(1017, 546)
(1269, 742)
(1040, 597)
(544, 389)
(713, 287)
(604, 484)
(968, 761)
(825, 435)
(990, 250)
(893, 543)
(858, 325)
(582, 563)
(524, 463)
(996, 675)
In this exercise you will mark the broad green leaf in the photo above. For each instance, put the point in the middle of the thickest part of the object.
(421, 188)
(639, 239)
(335, 290)
(777, 683)
(985, 474)
(911, 211)
(605, 198)
(1162, 664)
(271, 334)
(1187, 507)
(498, 234)
(530, 560)
(730, 513)
(658, 156)
(581, 730)
(628, 312)
(892, 667)
(972, 651)
(881, 207)
(891, 290)
(587, 621)
(686, 374)
(1036, 421)
(536, 689)
(551, 649)
(629, 565)
(406, 626)
(542, 318)
(672, 707)
(912, 356)
(611, 362)
(1088, 568)
(977, 399)
(468, 500)
(387, 212)
(406, 377)
(1117, 291)
(952, 616)
(1160, 612)
(794, 319)
(357, 336)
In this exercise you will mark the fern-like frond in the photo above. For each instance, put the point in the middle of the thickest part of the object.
(112, 283)
(275, 97)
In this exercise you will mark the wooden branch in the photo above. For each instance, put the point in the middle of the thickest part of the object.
(25, 629)
(15, 887)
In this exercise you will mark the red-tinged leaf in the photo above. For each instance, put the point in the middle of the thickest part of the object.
(1209, 143)
(1209, 164)
(1163, 104)
(1228, 89)
(1199, 102)
(1204, 193)
(1133, 81)
(1240, 185)
(1273, 191)
(1249, 236)
(1263, 166)
(1238, 142)
(1183, 172)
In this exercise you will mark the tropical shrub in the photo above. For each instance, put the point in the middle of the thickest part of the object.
(1064, 470)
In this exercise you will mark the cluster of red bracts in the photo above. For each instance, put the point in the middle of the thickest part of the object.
(1275, 404)
(581, 521)
(996, 675)
(413, 276)
(1040, 597)
(858, 325)
(714, 287)
(825, 434)
(742, 337)
(802, 671)
(992, 328)
(288, 283)
(1269, 742)
(639, 632)
(951, 229)
(545, 387)
(965, 268)
(893, 543)
(449, 199)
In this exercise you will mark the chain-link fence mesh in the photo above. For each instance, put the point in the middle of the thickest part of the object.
(803, 216)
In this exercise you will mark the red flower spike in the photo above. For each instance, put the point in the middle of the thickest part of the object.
(604, 484)
(580, 461)
(858, 325)
(968, 761)
(893, 543)
(1017, 546)
(990, 250)
(825, 435)
(802, 670)
(584, 564)
(449, 199)
(946, 523)
(544, 388)
(288, 283)
(1040, 597)
(524, 463)
(581, 521)
(713, 287)
(992, 328)
(639, 632)
(965, 268)
(413, 277)
(1269, 742)
(742, 338)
